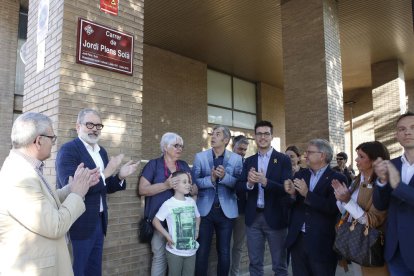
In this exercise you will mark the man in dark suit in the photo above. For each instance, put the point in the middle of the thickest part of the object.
(87, 233)
(313, 213)
(240, 145)
(266, 218)
(395, 191)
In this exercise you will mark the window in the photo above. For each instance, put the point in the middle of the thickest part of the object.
(231, 101)
(21, 39)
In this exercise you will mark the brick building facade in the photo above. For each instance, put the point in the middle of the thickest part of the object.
(168, 92)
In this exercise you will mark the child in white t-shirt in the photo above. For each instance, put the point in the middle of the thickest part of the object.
(183, 220)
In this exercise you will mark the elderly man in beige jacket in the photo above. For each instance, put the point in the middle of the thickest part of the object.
(34, 216)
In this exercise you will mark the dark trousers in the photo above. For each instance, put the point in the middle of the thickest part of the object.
(87, 254)
(257, 234)
(302, 265)
(223, 226)
(397, 266)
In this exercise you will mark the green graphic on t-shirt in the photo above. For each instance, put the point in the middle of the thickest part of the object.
(185, 224)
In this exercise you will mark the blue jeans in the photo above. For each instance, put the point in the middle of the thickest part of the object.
(397, 266)
(87, 254)
(223, 226)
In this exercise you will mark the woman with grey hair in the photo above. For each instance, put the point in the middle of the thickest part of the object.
(156, 184)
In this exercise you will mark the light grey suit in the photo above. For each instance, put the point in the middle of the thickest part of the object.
(203, 164)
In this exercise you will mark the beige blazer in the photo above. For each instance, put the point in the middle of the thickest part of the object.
(376, 218)
(33, 222)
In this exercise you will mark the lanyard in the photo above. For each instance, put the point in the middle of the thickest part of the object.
(166, 174)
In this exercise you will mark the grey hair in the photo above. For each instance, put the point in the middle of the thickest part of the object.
(169, 138)
(238, 140)
(83, 112)
(27, 127)
(323, 146)
(226, 131)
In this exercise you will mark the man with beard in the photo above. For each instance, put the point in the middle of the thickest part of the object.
(87, 233)
(265, 214)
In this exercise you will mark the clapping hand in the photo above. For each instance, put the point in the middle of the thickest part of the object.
(393, 175)
(127, 169)
(83, 179)
(252, 177)
(289, 187)
(341, 191)
(381, 170)
(301, 187)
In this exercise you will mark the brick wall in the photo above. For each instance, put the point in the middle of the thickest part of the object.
(363, 120)
(409, 89)
(174, 100)
(271, 103)
(312, 72)
(388, 95)
(64, 87)
(9, 19)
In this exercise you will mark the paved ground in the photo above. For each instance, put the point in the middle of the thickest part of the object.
(339, 271)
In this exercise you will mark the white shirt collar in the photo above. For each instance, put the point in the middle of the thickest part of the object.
(267, 154)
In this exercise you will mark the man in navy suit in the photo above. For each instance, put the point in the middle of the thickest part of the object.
(313, 213)
(265, 214)
(215, 171)
(87, 233)
(395, 191)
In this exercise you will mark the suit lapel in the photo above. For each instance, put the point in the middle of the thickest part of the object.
(86, 157)
(307, 177)
(398, 164)
(226, 159)
(210, 158)
(399, 167)
(272, 162)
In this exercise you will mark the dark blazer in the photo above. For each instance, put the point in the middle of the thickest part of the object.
(278, 170)
(319, 213)
(68, 158)
(400, 221)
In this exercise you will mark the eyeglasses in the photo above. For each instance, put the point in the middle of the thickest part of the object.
(53, 138)
(312, 151)
(90, 125)
(263, 134)
(178, 146)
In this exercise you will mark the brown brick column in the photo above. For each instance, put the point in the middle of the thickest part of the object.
(270, 102)
(388, 97)
(9, 19)
(64, 87)
(409, 89)
(312, 72)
